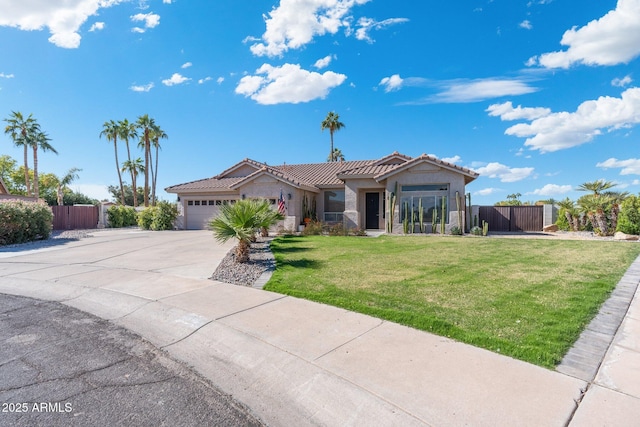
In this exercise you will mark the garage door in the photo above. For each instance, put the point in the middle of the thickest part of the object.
(200, 212)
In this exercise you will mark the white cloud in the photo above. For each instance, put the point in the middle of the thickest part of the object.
(97, 26)
(453, 160)
(505, 173)
(610, 40)
(175, 79)
(506, 112)
(166, 1)
(621, 82)
(480, 89)
(186, 65)
(391, 83)
(294, 23)
(526, 25)
(206, 79)
(367, 24)
(487, 191)
(150, 20)
(6, 76)
(323, 62)
(629, 166)
(142, 88)
(219, 80)
(62, 18)
(287, 84)
(552, 190)
(562, 130)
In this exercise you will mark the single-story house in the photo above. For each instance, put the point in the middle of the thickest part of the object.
(356, 193)
(5, 195)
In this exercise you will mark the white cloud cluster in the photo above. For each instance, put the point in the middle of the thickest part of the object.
(552, 190)
(610, 40)
(557, 131)
(142, 88)
(505, 173)
(175, 79)
(367, 24)
(150, 20)
(6, 76)
(294, 23)
(391, 83)
(63, 18)
(506, 112)
(526, 24)
(287, 84)
(480, 89)
(323, 62)
(97, 26)
(186, 65)
(629, 166)
(622, 82)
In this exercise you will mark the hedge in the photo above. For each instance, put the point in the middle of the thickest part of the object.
(22, 221)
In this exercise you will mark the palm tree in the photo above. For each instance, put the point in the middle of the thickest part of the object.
(240, 221)
(155, 141)
(337, 156)
(41, 140)
(597, 187)
(128, 130)
(111, 131)
(333, 123)
(146, 125)
(134, 167)
(22, 131)
(62, 183)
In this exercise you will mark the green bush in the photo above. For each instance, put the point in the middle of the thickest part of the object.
(159, 217)
(22, 221)
(562, 222)
(121, 216)
(629, 218)
(314, 228)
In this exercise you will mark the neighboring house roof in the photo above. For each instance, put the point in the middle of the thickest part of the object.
(313, 176)
(3, 187)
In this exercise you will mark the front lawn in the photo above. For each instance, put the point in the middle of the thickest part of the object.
(525, 298)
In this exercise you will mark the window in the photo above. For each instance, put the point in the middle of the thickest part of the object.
(190, 203)
(218, 202)
(432, 198)
(333, 205)
(272, 201)
(197, 202)
(212, 202)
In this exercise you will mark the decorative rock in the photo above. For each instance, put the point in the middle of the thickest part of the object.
(550, 228)
(622, 236)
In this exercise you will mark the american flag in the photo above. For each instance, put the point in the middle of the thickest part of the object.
(281, 206)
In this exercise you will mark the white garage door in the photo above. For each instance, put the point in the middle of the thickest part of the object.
(200, 212)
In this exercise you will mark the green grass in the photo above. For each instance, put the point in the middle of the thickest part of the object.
(525, 298)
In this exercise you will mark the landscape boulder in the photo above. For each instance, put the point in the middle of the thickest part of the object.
(623, 236)
(550, 228)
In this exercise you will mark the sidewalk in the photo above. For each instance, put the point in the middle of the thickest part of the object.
(295, 362)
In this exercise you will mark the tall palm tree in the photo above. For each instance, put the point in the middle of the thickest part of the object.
(111, 131)
(333, 123)
(41, 140)
(146, 125)
(158, 134)
(128, 131)
(134, 167)
(337, 156)
(22, 131)
(62, 183)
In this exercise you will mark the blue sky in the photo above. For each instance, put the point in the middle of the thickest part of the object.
(537, 96)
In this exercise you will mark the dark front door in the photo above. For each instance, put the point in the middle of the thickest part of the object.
(372, 212)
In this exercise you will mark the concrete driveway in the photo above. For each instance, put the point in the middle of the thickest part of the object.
(291, 361)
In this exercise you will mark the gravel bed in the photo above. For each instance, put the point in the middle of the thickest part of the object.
(245, 274)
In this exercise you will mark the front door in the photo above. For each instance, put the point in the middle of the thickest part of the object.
(372, 212)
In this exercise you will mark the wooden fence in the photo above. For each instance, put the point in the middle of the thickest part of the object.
(75, 217)
(512, 218)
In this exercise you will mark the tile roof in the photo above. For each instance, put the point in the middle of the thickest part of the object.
(314, 175)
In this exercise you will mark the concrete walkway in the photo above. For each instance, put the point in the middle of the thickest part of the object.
(295, 362)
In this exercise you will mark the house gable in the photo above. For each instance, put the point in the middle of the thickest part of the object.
(241, 169)
(428, 164)
(3, 187)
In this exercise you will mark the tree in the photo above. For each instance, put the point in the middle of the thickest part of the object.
(597, 187)
(127, 130)
(134, 167)
(240, 221)
(333, 123)
(63, 182)
(114, 190)
(337, 156)
(7, 169)
(22, 131)
(512, 200)
(41, 140)
(146, 125)
(157, 133)
(111, 131)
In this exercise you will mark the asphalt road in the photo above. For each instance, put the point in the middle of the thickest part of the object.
(62, 367)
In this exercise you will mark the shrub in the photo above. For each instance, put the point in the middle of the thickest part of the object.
(456, 231)
(121, 216)
(159, 217)
(314, 228)
(629, 218)
(476, 231)
(24, 221)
